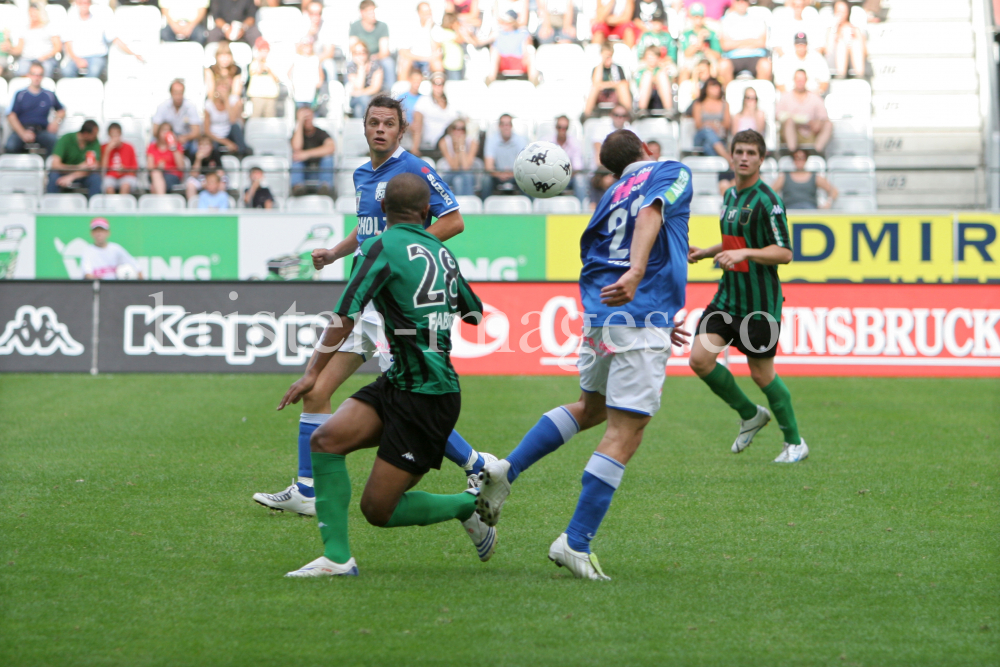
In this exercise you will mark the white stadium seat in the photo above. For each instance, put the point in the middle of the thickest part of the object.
(138, 24)
(113, 203)
(22, 173)
(64, 203)
(281, 24)
(855, 204)
(707, 205)
(161, 203)
(507, 204)
(20, 202)
(705, 172)
(469, 204)
(813, 163)
(928, 39)
(344, 177)
(275, 172)
(560, 205)
(469, 99)
(310, 204)
(231, 165)
(346, 205)
(192, 204)
(353, 142)
(82, 97)
(561, 62)
(851, 137)
(513, 97)
(268, 136)
(556, 99)
(931, 75)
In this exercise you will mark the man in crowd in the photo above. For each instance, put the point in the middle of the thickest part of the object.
(744, 44)
(312, 155)
(575, 154)
(424, 50)
(803, 117)
(29, 115)
(375, 35)
(85, 40)
(805, 59)
(75, 161)
(502, 148)
(235, 21)
(182, 116)
(185, 20)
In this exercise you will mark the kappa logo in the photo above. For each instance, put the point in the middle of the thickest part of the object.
(409, 457)
(380, 191)
(538, 158)
(38, 331)
(777, 210)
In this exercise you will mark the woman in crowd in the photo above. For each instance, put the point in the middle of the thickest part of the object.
(711, 118)
(750, 116)
(223, 115)
(164, 160)
(799, 188)
(845, 43)
(432, 114)
(365, 77)
(458, 149)
(224, 69)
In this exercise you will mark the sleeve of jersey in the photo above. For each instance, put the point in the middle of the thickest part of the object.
(442, 198)
(470, 308)
(369, 277)
(777, 225)
(670, 186)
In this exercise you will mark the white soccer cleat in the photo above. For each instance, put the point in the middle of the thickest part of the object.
(484, 537)
(290, 500)
(493, 490)
(324, 567)
(582, 565)
(749, 428)
(473, 478)
(793, 453)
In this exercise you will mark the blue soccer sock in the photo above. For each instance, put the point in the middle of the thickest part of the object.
(460, 452)
(308, 423)
(552, 431)
(600, 479)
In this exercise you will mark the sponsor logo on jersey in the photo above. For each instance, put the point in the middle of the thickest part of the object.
(745, 214)
(777, 210)
(731, 215)
(380, 191)
(677, 189)
(369, 225)
(38, 331)
(633, 183)
(357, 201)
(437, 186)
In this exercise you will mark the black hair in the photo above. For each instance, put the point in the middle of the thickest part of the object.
(752, 137)
(113, 126)
(703, 95)
(407, 193)
(386, 102)
(88, 126)
(620, 149)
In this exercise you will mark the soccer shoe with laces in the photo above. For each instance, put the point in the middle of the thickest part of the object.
(493, 490)
(291, 500)
(473, 477)
(582, 565)
(324, 567)
(484, 537)
(793, 453)
(749, 428)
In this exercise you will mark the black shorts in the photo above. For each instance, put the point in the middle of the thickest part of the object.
(745, 64)
(415, 427)
(758, 332)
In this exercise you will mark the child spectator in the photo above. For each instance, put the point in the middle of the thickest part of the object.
(556, 21)
(118, 163)
(656, 34)
(608, 84)
(454, 37)
(511, 52)
(258, 195)
(214, 196)
(613, 18)
(164, 160)
(207, 160)
(652, 82)
(263, 88)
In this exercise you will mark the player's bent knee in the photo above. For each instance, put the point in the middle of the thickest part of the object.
(375, 513)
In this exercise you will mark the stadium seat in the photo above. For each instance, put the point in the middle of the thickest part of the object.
(931, 75)
(469, 204)
(594, 130)
(707, 204)
(22, 173)
(662, 131)
(561, 62)
(769, 170)
(507, 204)
(268, 136)
(161, 203)
(926, 111)
(851, 164)
(627, 58)
(310, 204)
(469, 99)
(63, 203)
(336, 108)
(83, 97)
(113, 203)
(559, 205)
(928, 39)
(192, 204)
(138, 24)
(513, 97)
(851, 137)
(279, 203)
(275, 172)
(855, 204)
(705, 172)
(21, 82)
(19, 202)
(231, 165)
(813, 163)
(128, 98)
(280, 24)
(346, 205)
(177, 60)
(928, 10)
(353, 142)
(545, 130)
(557, 99)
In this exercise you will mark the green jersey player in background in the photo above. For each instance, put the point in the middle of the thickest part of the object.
(746, 310)
(409, 412)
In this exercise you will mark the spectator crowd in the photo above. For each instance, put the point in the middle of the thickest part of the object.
(670, 59)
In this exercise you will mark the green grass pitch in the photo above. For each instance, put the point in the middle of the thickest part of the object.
(128, 535)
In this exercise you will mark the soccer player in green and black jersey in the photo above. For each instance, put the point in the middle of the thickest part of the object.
(746, 311)
(408, 413)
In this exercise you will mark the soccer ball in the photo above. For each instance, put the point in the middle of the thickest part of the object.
(125, 272)
(542, 170)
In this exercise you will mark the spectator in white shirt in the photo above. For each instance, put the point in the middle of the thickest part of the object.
(556, 21)
(101, 260)
(744, 44)
(432, 114)
(803, 19)
(185, 20)
(182, 116)
(424, 50)
(39, 41)
(86, 38)
(320, 32)
(805, 59)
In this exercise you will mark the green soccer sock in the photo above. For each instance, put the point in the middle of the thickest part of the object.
(722, 382)
(333, 497)
(418, 508)
(780, 400)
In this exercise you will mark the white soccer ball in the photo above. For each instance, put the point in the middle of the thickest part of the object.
(542, 170)
(125, 272)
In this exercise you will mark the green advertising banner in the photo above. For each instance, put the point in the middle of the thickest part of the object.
(189, 247)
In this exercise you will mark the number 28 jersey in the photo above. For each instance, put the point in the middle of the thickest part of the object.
(606, 244)
(369, 190)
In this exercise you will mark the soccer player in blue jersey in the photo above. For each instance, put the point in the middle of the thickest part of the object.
(634, 276)
(385, 124)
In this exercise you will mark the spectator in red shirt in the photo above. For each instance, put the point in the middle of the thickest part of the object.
(164, 160)
(614, 19)
(118, 163)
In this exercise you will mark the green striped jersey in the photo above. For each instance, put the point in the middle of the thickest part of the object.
(752, 218)
(414, 282)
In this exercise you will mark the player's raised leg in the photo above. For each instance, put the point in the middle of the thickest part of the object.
(779, 398)
(703, 361)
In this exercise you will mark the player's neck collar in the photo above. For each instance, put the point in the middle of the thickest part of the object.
(748, 187)
(636, 165)
(399, 151)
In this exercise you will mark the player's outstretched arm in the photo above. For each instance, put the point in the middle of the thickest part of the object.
(334, 335)
(448, 225)
(647, 228)
(324, 257)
